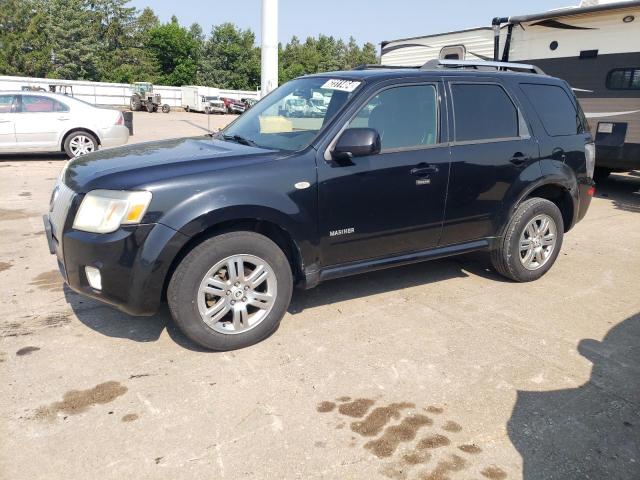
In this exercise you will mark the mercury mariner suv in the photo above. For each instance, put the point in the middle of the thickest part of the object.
(403, 165)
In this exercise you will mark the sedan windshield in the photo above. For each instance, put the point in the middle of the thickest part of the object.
(289, 118)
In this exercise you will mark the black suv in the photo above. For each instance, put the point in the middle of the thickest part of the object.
(403, 165)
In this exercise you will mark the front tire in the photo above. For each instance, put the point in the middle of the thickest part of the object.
(531, 242)
(80, 143)
(231, 291)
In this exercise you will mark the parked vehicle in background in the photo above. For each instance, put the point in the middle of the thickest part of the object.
(143, 97)
(52, 122)
(202, 99)
(295, 107)
(233, 105)
(248, 102)
(405, 166)
(590, 46)
(61, 88)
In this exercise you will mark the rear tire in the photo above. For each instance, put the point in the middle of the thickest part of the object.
(202, 279)
(525, 252)
(80, 143)
(135, 104)
(186, 109)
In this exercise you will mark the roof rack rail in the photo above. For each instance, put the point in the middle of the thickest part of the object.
(476, 64)
(373, 66)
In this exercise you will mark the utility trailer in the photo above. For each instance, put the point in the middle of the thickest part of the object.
(202, 99)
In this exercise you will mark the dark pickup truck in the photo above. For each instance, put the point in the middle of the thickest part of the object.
(405, 165)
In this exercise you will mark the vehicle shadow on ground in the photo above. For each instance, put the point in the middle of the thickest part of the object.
(19, 157)
(113, 323)
(592, 431)
(392, 279)
(622, 190)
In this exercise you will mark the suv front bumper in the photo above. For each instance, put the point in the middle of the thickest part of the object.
(133, 262)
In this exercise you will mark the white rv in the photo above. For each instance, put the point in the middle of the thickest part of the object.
(595, 47)
(202, 99)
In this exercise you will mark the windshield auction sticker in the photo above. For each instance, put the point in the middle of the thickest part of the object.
(342, 85)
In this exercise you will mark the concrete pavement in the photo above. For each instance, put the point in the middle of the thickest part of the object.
(431, 371)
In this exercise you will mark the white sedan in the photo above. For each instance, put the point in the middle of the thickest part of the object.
(51, 122)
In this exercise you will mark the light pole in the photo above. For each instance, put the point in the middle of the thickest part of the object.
(269, 60)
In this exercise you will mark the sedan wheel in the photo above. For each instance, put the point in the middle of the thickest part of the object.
(80, 143)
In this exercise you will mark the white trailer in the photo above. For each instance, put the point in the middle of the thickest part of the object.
(202, 99)
(595, 47)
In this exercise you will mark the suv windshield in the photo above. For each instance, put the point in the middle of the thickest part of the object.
(287, 119)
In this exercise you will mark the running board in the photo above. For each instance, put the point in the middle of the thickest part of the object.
(354, 268)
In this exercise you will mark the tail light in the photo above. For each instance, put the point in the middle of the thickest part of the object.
(120, 120)
(590, 156)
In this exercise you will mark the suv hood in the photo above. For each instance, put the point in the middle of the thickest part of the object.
(132, 166)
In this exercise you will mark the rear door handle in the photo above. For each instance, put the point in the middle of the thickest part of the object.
(63, 118)
(519, 159)
(424, 170)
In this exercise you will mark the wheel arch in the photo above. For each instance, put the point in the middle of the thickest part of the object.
(267, 227)
(78, 129)
(557, 193)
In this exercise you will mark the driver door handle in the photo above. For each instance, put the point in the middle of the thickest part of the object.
(63, 118)
(424, 169)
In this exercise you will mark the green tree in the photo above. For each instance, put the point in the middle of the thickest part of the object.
(231, 59)
(24, 48)
(175, 51)
(74, 50)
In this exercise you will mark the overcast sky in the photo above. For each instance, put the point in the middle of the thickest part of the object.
(368, 21)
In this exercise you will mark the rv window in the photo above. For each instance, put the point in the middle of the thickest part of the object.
(555, 108)
(483, 112)
(624, 79)
(405, 117)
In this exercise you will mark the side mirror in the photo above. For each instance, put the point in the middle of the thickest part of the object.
(357, 142)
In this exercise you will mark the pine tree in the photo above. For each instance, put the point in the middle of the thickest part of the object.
(74, 50)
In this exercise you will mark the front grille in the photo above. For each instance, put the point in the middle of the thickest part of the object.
(60, 208)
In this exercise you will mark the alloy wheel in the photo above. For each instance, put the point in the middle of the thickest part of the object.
(538, 241)
(81, 145)
(237, 293)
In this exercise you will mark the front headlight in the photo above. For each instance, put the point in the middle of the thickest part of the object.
(103, 211)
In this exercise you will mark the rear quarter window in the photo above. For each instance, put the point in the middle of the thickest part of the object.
(556, 109)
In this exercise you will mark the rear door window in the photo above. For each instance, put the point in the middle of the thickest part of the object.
(36, 104)
(483, 112)
(555, 108)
